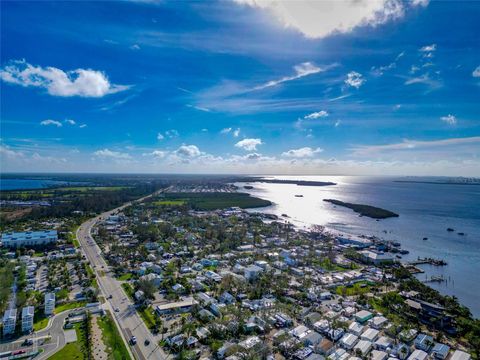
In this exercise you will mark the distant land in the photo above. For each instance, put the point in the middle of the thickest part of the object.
(294, 182)
(365, 210)
(448, 182)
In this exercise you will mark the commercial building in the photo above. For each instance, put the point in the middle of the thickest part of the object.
(27, 318)
(29, 238)
(9, 321)
(49, 303)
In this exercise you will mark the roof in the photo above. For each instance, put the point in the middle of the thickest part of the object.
(10, 313)
(178, 304)
(28, 311)
(418, 355)
(460, 355)
(49, 296)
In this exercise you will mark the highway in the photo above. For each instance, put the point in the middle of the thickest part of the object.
(127, 318)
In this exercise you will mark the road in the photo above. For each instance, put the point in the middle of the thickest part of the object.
(127, 318)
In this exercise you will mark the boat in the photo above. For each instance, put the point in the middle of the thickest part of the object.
(298, 195)
(461, 233)
(404, 252)
(450, 229)
(398, 256)
(425, 238)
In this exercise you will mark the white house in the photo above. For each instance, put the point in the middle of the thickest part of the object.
(252, 272)
(49, 303)
(9, 321)
(27, 318)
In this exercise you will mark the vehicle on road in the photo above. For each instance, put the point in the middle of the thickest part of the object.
(133, 340)
(27, 342)
(110, 296)
(117, 309)
(147, 342)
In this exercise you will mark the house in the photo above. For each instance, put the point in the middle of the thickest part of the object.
(356, 328)
(27, 318)
(250, 342)
(401, 351)
(418, 355)
(49, 303)
(326, 295)
(376, 257)
(176, 307)
(460, 355)
(9, 321)
(440, 351)
(339, 354)
(227, 298)
(348, 341)
(154, 278)
(424, 342)
(383, 343)
(313, 338)
(29, 238)
(178, 288)
(325, 347)
(363, 346)
(369, 334)
(222, 351)
(299, 332)
(378, 355)
(252, 272)
(139, 295)
(363, 315)
(378, 322)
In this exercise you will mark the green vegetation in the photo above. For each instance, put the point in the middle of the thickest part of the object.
(213, 201)
(148, 316)
(77, 350)
(40, 323)
(6, 281)
(128, 290)
(356, 289)
(90, 188)
(116, 348)
(364, 210)
(125, 277)
(169, 202)
(69, 306)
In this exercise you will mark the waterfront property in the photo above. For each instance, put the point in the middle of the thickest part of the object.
(29, 238)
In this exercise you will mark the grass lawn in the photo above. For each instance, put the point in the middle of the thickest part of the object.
(69, 306)
(125, 277)
(148, 317)
(116, 347)
(356, 289)
(169, 202)
(128, 289)
(40, 324)
(75, 350)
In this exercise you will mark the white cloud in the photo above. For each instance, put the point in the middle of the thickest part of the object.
(236, 132)
(7, 152)
(79, 82)
(428, 48)
(51, 122)
(249, 144)
(172, 133)
(160, 136)
(337, 123)
(83, 126)
(301, 70)
(135, 47)
(368, 150)
(302, 152)
(225, 130)
(449, 119)
(316, 115)
(200, 108)
(70, 122)
(354, 79)
(476, 72)
(159, 154)
(108, 154)
(318, 19)
(188, 151)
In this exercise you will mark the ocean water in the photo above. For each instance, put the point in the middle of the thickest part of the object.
(426, 210)
(26, 184)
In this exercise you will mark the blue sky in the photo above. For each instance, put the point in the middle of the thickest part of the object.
(264, 87)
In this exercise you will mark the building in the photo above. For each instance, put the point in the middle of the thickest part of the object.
(27, 318)
(440, 351)
(252, 272)
(375, 257)
(9, 321)
(29, 238)
(176, 307)
(424, 342)
(460, 355)
(49, 303)
(418, 355)
(363, 316)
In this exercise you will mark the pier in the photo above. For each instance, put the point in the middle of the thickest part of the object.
(429, 261)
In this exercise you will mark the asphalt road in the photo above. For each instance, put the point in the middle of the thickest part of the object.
(127, 319)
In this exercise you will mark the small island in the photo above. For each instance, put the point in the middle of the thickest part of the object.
(296, 182)
(365, 210)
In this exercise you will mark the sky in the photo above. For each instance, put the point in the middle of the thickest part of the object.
(378, 87)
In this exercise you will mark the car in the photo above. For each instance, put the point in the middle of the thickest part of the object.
(27, 342)
(117, 309)
(147, 342)
(110, 296)
(133, 340)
